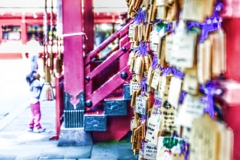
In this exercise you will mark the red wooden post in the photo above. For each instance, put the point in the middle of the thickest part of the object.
(123, 60)
(24, 32)
(59, 106)
(74, 96)
(231, 112)
(88, 29)
(88, 25)
(122, 41)
(0, 33)
(74, 103)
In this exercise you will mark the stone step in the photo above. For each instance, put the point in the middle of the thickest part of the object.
(95, 121)
(95, 118)
(115, 106)
(126, 91)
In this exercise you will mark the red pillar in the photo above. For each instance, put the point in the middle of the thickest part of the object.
(0, 33)
(73, 134)
(23, 31)
(231, 24)
(88, 25)
(231, 113)
(89, 30)
(73, 52)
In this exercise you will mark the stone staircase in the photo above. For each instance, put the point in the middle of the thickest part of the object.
(114, 105)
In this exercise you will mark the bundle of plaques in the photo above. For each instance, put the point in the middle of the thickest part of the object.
(177, 53)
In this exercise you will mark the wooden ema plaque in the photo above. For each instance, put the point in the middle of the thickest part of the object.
(190, 83)
(204, 139)
(191, 109)
(167, 123)
(197, 10)
(152, 129)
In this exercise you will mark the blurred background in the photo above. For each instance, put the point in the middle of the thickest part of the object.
(20, 19)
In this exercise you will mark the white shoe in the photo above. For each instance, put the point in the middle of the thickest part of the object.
(30, 129)
(40, 130)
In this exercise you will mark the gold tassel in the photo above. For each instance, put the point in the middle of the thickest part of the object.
(47, 74)
(47, 90)
(58, 70)
(51, 60)
(150, 13)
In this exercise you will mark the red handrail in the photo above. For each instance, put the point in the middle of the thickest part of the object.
(59, 82)
(108, 87)
(120, 33)
(111, 51)
(108, 61)
(110, 58)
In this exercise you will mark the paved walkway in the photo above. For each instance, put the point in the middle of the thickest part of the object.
(14, 91)
(18, 144)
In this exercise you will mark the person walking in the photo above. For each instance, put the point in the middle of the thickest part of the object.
(33, 48)
(35, 89)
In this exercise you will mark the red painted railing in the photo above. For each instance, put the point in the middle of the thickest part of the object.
(108, 61)
(108, 87)
(119, 34)
(120, 56)
(59, 105)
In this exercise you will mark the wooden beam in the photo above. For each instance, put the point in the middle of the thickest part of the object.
(73, 50)
(88, 25)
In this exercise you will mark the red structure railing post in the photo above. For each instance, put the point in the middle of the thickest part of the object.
(73, 51)
(109, 40)
(74, 93)
(88, 17)
(123, 60)
(231, 112)
(120, 53)
(59, 105)
(0, 33)
(24, 31)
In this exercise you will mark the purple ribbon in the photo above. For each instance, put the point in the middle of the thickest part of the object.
(158, 103)
(186, 149)
(174, 71)
(218, 7)
(210, 89)
(169, 27)
(194, 24)
(141, 16)
(183, 95)
(143, 85)
(143, 118)
(154, 62)
(157, 21)
(143, 146)
(166, 71)
(142, 49)
(211, 24)
(182, 147)
(175, 134)
(177, 73)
